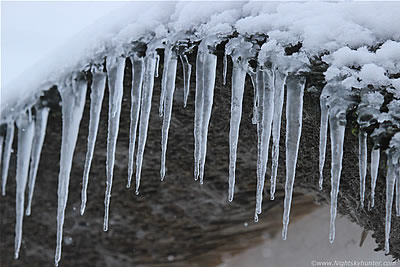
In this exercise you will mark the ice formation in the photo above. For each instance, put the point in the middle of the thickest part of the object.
(6, 155)
(26, 127)
(257, 37)
(73, 95)
(136, 95)
(96, 100)
(167, 97)
(41, 114)
(115, 67)
(294, 117)
(239, 51)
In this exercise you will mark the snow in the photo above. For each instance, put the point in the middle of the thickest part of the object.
(320, 26)
(371, 74)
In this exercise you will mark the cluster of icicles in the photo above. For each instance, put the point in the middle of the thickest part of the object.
(269, 82)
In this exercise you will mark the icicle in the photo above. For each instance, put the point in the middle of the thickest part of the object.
(259, 82)
(198, 107)
(238, 82)
(397, 195)
(147, 94)
(1, 147)
(210, 66)
(294, 115)
(268, 90)
(187, 71)
(73, 102)
(7, 155)
(42, 114)
(337, 125)
(115, 84)
(209, 74)
(25, 126)
(167, 58)
(241, 52)
(323, 130)
(280, 80)
(375, 154)
(157, 66)
(136, 95)
(253, 78)
(225, 67)
(206, 64)
(96, 101)
(390, 183)
(169, 76)
(362, 156)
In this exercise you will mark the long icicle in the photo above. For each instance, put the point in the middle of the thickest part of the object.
(187, 71)
(115, 84)
(7, 155)
(362, 159)
(390, 184)
(73, 102)
(167, 58)
(198, 107)
(42, 113)
(136, 95)
(157, 66)
(337, 126)
(323, 132)
(147, 94)
(209, 72)
(96, 100)
(375, 155)
(253, 78)
(26, 127)
(225, 70)
(259, 84)
(1, 147)
(268, 90)
(294, 117)
(280, 80)
(238, 83)
(397, 188)
(169, 76)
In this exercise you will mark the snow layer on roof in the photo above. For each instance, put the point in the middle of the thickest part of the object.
(320, 26)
